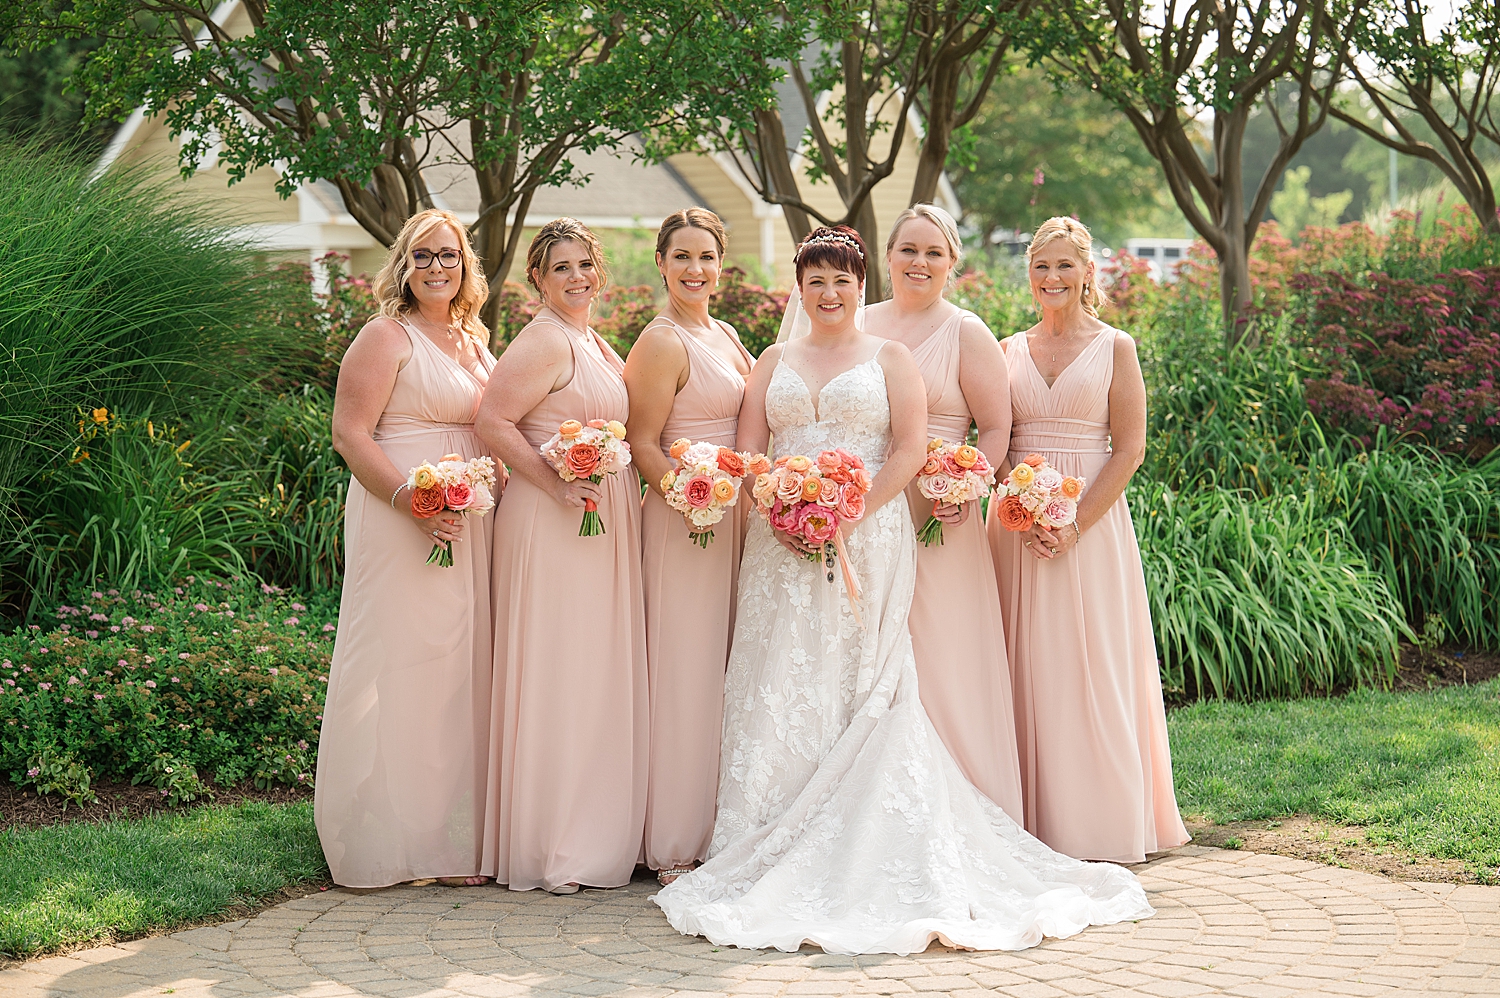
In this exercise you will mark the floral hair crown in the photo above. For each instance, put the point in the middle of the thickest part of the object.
(830, 237)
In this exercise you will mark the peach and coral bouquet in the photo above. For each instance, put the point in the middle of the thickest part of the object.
(953, 475)
(813, 499)
(705, 481)
(452, 485)
(590, 451)
(1037, 493)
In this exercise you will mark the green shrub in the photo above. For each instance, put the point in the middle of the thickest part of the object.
(1260, 597)
(205, 677)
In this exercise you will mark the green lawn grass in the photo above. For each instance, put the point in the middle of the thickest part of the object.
(1420, 771)
(70, 884)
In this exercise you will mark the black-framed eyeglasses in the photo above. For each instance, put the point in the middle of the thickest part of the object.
(449, 259)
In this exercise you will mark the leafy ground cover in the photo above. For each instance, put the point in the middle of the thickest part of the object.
(86, 882)
(1412, 775)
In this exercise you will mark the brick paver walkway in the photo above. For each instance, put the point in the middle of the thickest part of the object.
(1227, 923)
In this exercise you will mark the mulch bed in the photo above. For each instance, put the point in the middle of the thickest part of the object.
(22, 808)
(1450, 665)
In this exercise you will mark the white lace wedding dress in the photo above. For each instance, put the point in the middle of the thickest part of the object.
(842, 819)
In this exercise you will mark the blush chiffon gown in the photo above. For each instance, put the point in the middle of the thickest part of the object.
(402, 758)
(1096, 770)
(568, 737)
(689, 617)
(955, 610)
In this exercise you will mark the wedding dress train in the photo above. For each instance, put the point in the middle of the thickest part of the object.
(842, 820)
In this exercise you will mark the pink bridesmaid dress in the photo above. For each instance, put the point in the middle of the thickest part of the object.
(1096, 771)
(689, 619)
(402, 758)
(956, 633)
(567, 786)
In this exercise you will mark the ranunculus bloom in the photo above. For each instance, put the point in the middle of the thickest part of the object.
(599, 424)
(1023, 475)
(427, 503)
(759, 465)
(936, 443)
(861, 478)
(424, 477)
(966, 456)
(1013, 516)
(799, 464)
(828, 493)
(570, 428)
(849, 458)
(583, 459)
(699, 491)
(731, 463)
(679, 447)
(724, 489)
(816, 524)
(616, 429)
(1071, 487)
(851, 505)
(668, 480)
(811, 487)
(1035, 460)
(460, 496)
(1061, 512)
(932, 466)
(828, 462)
(789, 486)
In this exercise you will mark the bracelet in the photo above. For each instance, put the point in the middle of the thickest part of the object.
(403, 485)
(1077, 532)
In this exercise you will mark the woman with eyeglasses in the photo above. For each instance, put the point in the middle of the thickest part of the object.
(402, 758)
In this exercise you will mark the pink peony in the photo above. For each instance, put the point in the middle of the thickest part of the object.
(459, 496)
(783, 517)
(816, 524)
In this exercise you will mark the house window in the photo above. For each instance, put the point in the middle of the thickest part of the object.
(1171, 252)
(1146, 251)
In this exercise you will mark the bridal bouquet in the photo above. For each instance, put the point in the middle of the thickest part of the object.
(589, 451)
(705, 481)
(1037, 493)
(953, 475)
(451, 485)
(813, 499)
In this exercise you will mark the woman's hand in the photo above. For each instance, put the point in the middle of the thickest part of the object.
(1048, 544)
(796, 545)
(443, 528)
(950, 515)
(576, 493)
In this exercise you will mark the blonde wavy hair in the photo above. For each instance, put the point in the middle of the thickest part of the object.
(1077, 235)
(946, 225)
(392, 288)
(560, 230)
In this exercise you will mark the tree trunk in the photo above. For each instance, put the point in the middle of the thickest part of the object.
(1234, 286)
(869, 231)
(770, 138)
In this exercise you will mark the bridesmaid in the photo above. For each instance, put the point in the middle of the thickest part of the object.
(1096, 771)
(686, 375)
(962, 673)
(401, 761)
(567, 781)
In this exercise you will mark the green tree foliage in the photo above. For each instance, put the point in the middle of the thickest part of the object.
(36, 103)
(385, 100)
(1093, 163)
(1296, 208)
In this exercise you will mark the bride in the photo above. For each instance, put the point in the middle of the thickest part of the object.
(842, 819)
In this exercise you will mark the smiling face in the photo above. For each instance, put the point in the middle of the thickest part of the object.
(690, 267)
(920, 261)
(830, 296)
(570, 280)
(1058, 274)
(436, 284)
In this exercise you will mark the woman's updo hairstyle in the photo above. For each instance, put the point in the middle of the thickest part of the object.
(392, 286)
(945, 224)
(836, 246)
(1077, 235)
(690, 218)
(560, 230)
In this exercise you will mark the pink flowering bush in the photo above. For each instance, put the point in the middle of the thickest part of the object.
(211, 680)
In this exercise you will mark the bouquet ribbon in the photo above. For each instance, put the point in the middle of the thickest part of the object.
(851, 581)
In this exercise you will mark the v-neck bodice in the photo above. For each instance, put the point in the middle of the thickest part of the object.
(596, 390)
(432, 390)
(708, 406)
(1069, 417)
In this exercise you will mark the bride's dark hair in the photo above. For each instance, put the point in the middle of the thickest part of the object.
(836, 246)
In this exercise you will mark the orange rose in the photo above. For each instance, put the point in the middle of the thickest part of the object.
(679, 447)
(1035, 460)
(427, 503)
(731, 463)
(1013, 515)
(759, 465)
(583, 459)
(569, 429)
(811, 489)
(1072, 487)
